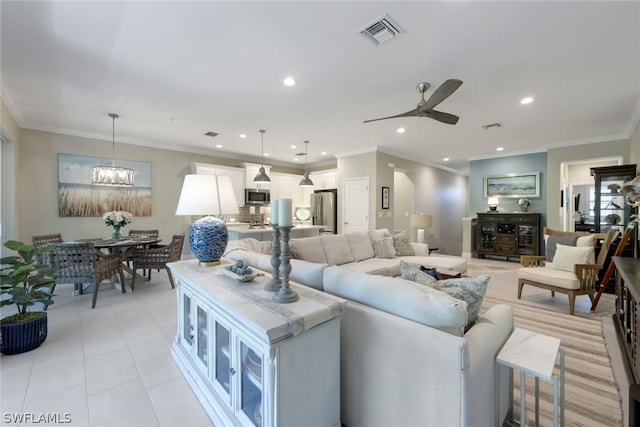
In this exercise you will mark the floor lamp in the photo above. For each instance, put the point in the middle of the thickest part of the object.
(421, 222)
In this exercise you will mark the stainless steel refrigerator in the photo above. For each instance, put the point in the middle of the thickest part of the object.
(324, 210)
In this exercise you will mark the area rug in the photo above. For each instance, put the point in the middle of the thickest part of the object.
(592, 397)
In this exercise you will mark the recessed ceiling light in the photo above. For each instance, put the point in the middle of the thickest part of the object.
(295, 160)
(293, 146)
(526, 100)
(218, 146)
(324, 153)
(242, 135)
(401, 130)
(266, 154)
(289, 81)
(446, 159)
(500, 149)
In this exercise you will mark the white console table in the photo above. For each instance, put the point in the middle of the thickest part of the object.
(252, 362)
(535, 354)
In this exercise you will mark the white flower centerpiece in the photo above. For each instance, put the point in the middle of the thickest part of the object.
(117, 220)
(524, 204)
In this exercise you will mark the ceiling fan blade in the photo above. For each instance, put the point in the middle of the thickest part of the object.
(443, 92)
(412, 113)
(447, 118)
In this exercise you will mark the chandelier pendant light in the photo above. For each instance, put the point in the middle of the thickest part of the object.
(306, 181)
(114, 176)
(262, 176)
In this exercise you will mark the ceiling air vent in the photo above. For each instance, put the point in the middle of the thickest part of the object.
(211, 134)
(381, 30)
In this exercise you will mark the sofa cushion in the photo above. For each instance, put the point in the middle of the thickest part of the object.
(415, 274)
(336, 249)
(438, 261)
(378, 266)
(360, 245)
(549, 276)
(399, 297)
(567, 256)
(470, 290)
(383, 248)
(308, 249)
(402, 244)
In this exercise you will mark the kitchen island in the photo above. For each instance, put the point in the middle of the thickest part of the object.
(239, 231)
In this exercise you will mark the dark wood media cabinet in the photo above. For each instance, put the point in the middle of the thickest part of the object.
(508, 234)
(626, 317)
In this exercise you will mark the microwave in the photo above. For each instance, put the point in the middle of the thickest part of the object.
(255, 196)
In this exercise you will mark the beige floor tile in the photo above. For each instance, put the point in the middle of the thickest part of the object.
(58, 343)
(11, 403)
(110, 369)
(15, 371)
(156, 366)
(175, 405)
(70, 405)
(144, 338)
(126, 405)
(55, 374)
(133, 318)
(102, 341)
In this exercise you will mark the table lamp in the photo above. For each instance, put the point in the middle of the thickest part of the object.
(421, 222)
(207, 195)
(493, 203)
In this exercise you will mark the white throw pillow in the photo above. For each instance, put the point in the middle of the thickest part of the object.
(383, 248)
(568, 256)
(336, 249)
(360, 244)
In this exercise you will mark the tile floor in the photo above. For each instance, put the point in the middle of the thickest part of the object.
(109, 366)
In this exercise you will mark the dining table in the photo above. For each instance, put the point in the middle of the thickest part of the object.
(124, 245)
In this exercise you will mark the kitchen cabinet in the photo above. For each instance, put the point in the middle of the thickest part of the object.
(508, 234)
(237, 176)
(324, 179)
(253, 365)
(251, 170)
(287, 186)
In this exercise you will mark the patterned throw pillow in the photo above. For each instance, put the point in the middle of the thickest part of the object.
(402, 244)
(416, 275)
(469, 289)
(383, 248)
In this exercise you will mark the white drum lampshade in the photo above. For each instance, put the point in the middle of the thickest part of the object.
(207, 195)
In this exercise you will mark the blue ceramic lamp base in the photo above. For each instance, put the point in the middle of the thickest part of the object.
(208, 239)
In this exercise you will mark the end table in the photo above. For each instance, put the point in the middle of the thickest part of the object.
(535, 354)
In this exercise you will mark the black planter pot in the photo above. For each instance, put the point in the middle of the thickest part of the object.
(21, 337)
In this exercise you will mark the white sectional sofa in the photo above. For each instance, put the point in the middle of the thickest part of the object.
(405, 360)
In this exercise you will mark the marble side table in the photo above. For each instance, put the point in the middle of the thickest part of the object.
(534, 354)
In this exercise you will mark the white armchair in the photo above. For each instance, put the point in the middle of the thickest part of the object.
(539, 272)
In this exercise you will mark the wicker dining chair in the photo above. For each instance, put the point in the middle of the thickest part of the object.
(157, 256)
(42, 241)
(142, 233)
(83, 263)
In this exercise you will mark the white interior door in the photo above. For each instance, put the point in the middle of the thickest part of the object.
(356, 205)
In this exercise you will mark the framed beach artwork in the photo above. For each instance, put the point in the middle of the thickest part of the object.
(77, 197)
(512, 185)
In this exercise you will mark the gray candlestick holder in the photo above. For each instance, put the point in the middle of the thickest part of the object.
(275, 283)
(285, 294)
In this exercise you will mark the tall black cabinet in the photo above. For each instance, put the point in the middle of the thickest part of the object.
(609, 208)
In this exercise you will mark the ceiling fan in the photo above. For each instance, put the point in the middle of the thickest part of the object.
(425, 108)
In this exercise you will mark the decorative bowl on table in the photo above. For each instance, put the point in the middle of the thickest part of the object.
(240, 271)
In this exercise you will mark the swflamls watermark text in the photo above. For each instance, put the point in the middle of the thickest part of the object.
(36, 417)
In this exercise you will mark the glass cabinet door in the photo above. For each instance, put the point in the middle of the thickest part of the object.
(251, 384)
(187, 327)
(609, 209)
(222, 370)
(526, 240)
(202, 336)
(488, 236)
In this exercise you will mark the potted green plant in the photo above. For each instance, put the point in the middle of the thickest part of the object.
(24, 283)
(612, 219)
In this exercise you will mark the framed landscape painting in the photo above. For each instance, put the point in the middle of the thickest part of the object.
(512, 185)
(77, 197)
